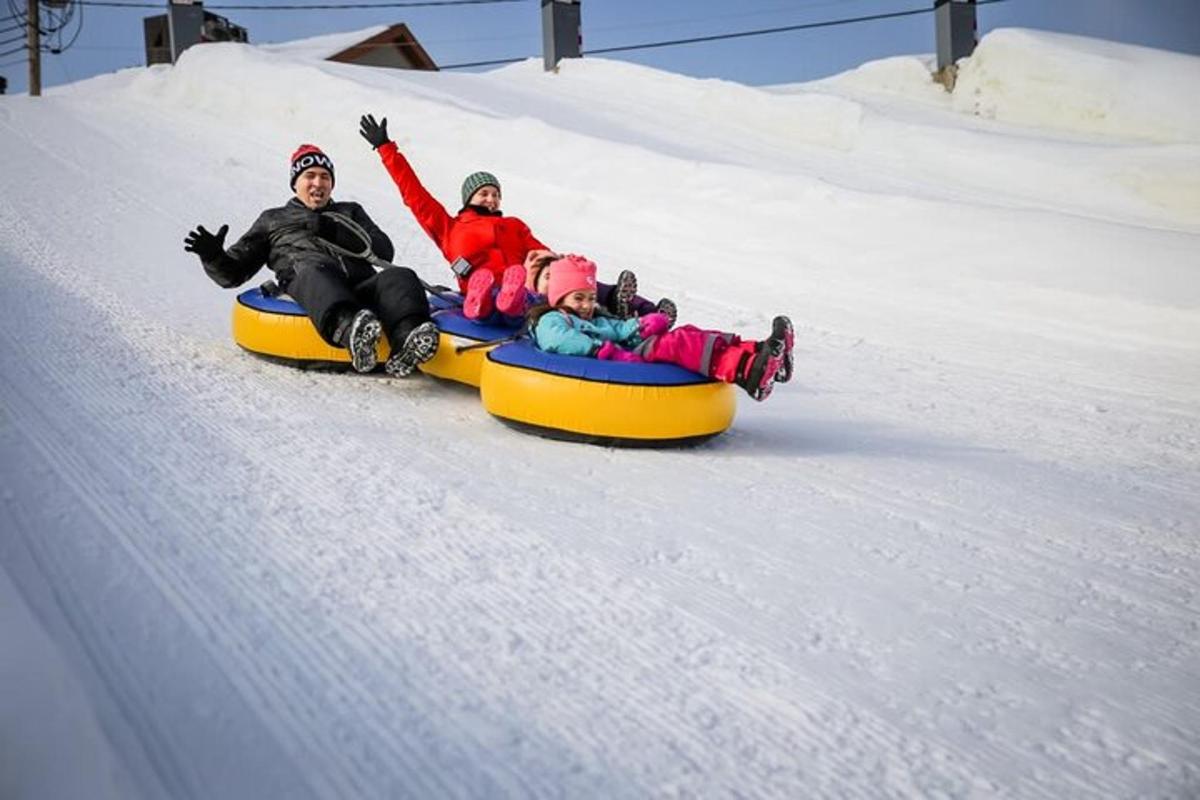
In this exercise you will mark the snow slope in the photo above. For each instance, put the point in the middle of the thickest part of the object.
(956, 557)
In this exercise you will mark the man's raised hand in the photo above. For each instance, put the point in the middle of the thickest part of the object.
(204, 244)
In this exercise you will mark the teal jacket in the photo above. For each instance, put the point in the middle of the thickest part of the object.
(561, 332)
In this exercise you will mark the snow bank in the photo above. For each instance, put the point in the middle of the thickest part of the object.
(666, 100)
(1072, 83)
(1048, 81)
(908, 77)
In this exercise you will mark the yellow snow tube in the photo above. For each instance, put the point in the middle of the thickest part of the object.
(603, 402)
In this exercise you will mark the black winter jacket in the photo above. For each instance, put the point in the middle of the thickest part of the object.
(285, 239)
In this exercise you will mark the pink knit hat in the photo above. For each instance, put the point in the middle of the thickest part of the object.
(569, 274)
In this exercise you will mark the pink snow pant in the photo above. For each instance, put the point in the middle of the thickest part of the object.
(689, 347)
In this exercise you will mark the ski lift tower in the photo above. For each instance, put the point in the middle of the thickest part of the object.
(561, 34)
(957, 35)
(186, 23)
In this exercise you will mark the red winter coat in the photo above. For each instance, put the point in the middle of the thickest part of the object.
(489, 241)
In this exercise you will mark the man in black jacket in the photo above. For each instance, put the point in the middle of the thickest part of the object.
(350, 304)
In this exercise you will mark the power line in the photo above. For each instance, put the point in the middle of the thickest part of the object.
(485, 63)
(65, 19)
(130, 48)
(17, 50)
(310, 7)
(720, 36)
(765, 31)
(792, 7)
(501, 61)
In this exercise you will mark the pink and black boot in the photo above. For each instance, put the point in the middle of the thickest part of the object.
(478, 302)
(789, 341)
(511, 299)
(754, 365)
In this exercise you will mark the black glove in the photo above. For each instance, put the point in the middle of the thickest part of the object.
(205, 244)
(374, 132)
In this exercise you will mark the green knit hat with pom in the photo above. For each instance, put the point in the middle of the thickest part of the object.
(476, 181)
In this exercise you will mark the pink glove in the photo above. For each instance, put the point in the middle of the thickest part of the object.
(653, 324)
(610, 352)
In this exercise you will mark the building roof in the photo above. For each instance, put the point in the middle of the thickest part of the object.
(394, 46)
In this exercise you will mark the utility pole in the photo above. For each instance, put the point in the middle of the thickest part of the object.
(561, 34)
(957, 36)
(35, 51)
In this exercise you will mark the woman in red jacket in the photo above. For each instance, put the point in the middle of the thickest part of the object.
(498, 250)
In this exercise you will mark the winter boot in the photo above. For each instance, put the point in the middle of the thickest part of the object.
(758, 374)
(362, 339)
(511, 299)
(419, 346)
(789, 341)
(768, 361)
(754, 365)
(478, 302)
(667, 307)
(623, 292)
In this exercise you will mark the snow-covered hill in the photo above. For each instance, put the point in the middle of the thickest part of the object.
(957, 556)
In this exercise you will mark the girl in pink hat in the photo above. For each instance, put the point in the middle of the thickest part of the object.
(572, 323)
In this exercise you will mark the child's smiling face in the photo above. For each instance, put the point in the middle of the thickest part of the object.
(581, 301)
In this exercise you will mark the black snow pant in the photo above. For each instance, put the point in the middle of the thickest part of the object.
(395, 295)
(639, 305)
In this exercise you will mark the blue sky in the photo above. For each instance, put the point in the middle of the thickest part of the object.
(111, 38)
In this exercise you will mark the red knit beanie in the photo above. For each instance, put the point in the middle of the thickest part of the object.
(306, 156)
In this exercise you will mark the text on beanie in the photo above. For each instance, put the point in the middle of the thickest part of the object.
(306, 157)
